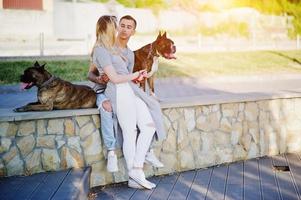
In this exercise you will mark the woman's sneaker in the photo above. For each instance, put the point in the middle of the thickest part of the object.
(112, 165)
(134, 184)
(138, 176)
(151, 159)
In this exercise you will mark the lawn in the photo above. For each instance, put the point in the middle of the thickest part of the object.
(186, 64)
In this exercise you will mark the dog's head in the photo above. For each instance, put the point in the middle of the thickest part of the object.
(35, 75)
(165, 46)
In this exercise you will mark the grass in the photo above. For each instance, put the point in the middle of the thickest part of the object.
(231, 63)
(186, 64)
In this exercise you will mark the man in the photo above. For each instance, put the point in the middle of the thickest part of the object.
(126, 29)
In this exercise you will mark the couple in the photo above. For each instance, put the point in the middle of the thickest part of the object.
(129, 104)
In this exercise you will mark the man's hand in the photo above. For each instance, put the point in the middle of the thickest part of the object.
(102, 79)
(107, 106)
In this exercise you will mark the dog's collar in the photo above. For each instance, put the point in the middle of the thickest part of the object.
(52, 78)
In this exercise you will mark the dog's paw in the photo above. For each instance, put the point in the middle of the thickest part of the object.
(20, 109)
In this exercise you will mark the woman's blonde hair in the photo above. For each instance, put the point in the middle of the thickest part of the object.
(105, 32)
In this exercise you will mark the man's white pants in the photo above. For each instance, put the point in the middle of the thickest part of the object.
(132, 111)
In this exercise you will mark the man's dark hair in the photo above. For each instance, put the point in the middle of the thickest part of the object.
(129, 17)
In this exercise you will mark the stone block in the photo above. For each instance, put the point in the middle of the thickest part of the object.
(167, 123)
(3, 128)
(99, 175)
(170, 163)
(224, 155)
(202, 123)
(225, 125)
(174, 115)
(71, 158)
(206, 159)
(74, 143)
(26, 144)
(229, 110)
(96, 120)
(253, 151)
(33, 162)
(195, 141)
(26, 128)
(2, 169)
(50, 160)
(186, 159)
(92, 148)
(15, 166)
(82, 120)
(8, 156)
(86, 130)
(208, 142)
(122, 174)
(169, 145)
(182, 136)
(41, 127)
(8, 129)
(251, 111)
(239, 153)
(189, 116)
(5, 144)
(246, 141)
(47, 141)
(69, 127)
(222, 139)
(55, 126)
(60, 141)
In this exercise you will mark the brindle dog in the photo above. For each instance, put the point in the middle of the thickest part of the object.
(148, 54)
(54, 93)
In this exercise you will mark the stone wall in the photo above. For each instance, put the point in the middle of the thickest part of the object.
(198, 136)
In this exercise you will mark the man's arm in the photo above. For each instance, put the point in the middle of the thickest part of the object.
(93, 75)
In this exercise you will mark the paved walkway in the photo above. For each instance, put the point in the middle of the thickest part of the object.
(249, 180)
(183, 89)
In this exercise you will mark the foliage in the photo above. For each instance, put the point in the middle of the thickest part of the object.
(277, 7)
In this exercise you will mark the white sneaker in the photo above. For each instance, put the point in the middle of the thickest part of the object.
(151, 159)
(112, 165)
(134, 184)
(138, 176)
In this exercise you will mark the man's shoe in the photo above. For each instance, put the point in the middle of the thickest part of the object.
(112, 165)
(151, 159)
(138, 176)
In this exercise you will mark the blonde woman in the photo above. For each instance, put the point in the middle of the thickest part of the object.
(131, 105)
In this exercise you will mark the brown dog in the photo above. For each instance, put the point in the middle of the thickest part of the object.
(148, 54)
(54, 93)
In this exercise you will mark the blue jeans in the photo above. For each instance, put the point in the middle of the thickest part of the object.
(106, 118)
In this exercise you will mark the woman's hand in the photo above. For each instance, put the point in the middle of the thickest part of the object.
(140, 75)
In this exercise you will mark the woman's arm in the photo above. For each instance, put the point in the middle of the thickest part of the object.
(117, 78)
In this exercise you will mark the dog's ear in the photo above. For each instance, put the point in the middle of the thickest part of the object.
(43, 66)
(36, 64)
(159, 35)
(164, 35)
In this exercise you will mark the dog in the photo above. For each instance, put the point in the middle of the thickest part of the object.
(148, 54)
(53, 92)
